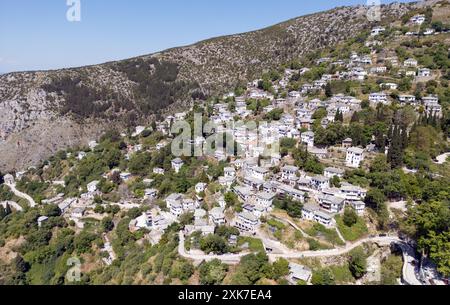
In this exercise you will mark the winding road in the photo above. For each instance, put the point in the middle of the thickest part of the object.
(226, 258)
(408, 272)
(21, 195)
(442, 158)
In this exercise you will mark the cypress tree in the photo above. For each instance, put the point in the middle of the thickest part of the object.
(380, 142)
(395, 155)
(338, 117)
(8, 209)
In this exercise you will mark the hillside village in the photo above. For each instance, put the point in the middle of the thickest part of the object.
(332, 161)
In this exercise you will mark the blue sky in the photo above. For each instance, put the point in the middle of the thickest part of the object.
(36, 35)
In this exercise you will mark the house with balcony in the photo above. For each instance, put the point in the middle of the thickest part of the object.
(320, 182)
(331, 204)
(177, 164)
(246, 222)
(355, 156)
(308, 138)
(331, 172)
(217, 216)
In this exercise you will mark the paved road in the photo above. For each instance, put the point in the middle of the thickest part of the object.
(337, 251)
(22, 195)
(442, 158)
(287, 255)
(12, 204)
(408, 272)
(108, 248)
(409, 269)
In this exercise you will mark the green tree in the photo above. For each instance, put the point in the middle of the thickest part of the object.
(350, 217)
(280, 268)
(213, 243)
(323, 277)
(213, 272)
(358, 263)
(107, 224)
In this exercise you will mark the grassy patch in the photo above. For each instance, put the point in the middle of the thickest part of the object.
(276, 224)
(342, 274)
(355, 232)
(330, 235)
(391, 270)
(315, 245)
(254, 244)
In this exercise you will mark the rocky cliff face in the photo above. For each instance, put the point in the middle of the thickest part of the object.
(42, 112)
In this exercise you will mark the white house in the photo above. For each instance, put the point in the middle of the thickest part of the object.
(244, 193)
(200, 187)
(259, 173)
(289, 172)
(176, 209)
(294, 94)
(320, 182)
(410, 62)
(229, 172)
(377, 31)
(265, 199)
(299, 273)
(41, 220)
(354, 157)
(92, 186)
(217, 216)
(407, 99)
(174, 204)
(151, 193)
(331, 204)
(378, 97)
(308, 211)
(9, 179)
(428, 32)
(92, 145)
(331, 172)
(308, 138)
(78, 212)
(378, 70)
(177, 164)
(313, 213)
(359, 207)
(352, 193)
(418, 19)
(81, 155)
(158, 171)
(189, 204)
(125, 176)
(430, 99)
(226, 181)
(246, 222)
(424, 72)
(323, 218)
(391, 86)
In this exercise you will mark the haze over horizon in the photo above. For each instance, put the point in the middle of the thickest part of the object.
(37, 35)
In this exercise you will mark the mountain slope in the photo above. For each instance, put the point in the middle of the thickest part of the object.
(42, 112)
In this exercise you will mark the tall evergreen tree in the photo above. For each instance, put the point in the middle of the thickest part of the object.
(355, 117)
(395, 154)
(2, 212)
(8, 209)
(339, 117)
(380, 141)
(328, 91)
